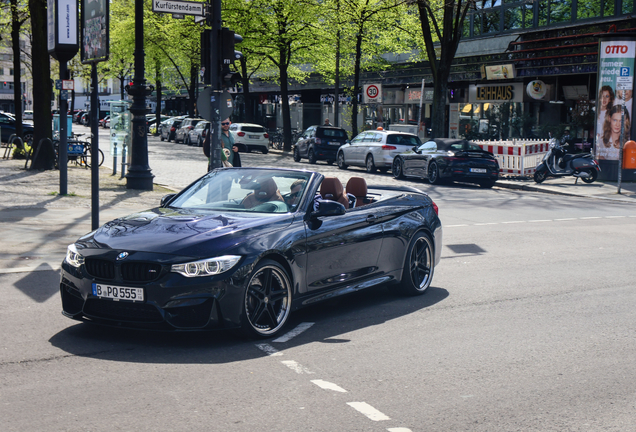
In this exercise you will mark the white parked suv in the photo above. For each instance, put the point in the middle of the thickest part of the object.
(252, 136)
(375, 149)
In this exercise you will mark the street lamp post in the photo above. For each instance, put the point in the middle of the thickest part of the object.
(139, 175)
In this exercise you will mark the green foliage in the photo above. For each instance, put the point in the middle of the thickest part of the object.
(19, 152)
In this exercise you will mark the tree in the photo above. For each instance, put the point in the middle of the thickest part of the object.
(281, 31)
(41, 72)
(441, 21)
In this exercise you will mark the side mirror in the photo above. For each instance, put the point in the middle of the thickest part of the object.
(328, 208)
(166, 199)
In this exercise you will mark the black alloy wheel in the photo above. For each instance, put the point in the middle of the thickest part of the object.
(487, 184)
(199, 142)
(296, 154)
(186, 140)
(396, 169)
(419, 265)
(592, 176)
(540, 176)
(341, 161)
(370, 166)
(268, 299)
(161, 137)
(433, 174)
(311, 156)
(264, 150)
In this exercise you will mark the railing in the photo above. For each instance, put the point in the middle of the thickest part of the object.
(516, 157)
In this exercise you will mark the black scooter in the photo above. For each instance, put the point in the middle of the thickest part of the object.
(558, 163)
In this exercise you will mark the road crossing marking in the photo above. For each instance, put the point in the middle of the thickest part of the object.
(295, 332)
(368, 411)
(296, 367)
(326, 385)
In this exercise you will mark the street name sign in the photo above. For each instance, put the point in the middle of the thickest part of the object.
(178, 7)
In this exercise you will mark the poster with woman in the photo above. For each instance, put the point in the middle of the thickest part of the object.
(616, 78)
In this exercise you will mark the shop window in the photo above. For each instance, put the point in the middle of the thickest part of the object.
(1, 71)
(466, 28)
(477, 25)
(628, 6)
(588, 9)
(485, 4)
(528, 15)
(608, 8)
(491, 21)
(560, 11)
(513, 18)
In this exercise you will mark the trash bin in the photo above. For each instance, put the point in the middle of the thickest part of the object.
(629, 155)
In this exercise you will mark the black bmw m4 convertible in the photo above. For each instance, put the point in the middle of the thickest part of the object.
(244, 247)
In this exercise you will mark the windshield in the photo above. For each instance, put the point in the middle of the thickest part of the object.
(403, 139)
(246, 190)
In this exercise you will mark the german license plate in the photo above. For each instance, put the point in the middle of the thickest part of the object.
(254, 136)
(334, 143)
(478, 170)
(118, 293)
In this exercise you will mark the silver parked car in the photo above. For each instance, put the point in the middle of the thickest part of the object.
(375, 149)
(252, 136)
(196, 136)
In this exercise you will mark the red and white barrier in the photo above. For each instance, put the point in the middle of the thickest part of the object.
(516, 157)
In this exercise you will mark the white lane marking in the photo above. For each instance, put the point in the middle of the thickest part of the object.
(326, 385)
(368, 411)
(509, 222)
(615, 217)
(565, 219)
(296, 367)
(455, 226)
(399, 429)
(269, 350)
(295, 332)
(488, 223)
(591, 217)
(540, 220)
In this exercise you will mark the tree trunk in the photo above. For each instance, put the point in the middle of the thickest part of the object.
(41, 81)
(336, 96)
(122, 79)
(356, 84)
(17, 88)
(250, 116)
(192, 97)
(438, 115)
(284, 95)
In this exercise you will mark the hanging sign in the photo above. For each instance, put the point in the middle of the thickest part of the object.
(62, 25)
(536, 89)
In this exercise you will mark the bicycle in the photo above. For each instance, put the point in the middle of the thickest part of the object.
(276, 139)
(77, 151)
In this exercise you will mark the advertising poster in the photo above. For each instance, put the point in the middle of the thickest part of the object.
(95, 34)
(615, 89)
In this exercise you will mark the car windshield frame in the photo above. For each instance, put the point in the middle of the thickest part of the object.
(245, 190)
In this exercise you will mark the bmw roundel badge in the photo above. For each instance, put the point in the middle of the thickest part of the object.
(122, 256)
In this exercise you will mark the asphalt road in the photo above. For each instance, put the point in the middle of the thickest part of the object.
(528, 326)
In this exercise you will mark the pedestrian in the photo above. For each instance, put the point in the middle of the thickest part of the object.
(327, 122)
(227, 143)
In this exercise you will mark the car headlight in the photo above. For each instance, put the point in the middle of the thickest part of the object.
(73, 257)
(207, 267)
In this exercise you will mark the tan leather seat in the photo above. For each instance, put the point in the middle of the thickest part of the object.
(357, 186)
(331, 189)
(267, 192)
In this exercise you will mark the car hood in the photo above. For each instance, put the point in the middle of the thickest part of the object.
(184, 232)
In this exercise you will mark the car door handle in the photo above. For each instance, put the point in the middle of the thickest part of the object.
(372, 218)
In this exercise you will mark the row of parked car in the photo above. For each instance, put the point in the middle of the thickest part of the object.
(437, 160)
(192, 131)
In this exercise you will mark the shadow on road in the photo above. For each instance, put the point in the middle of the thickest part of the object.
(333, 318)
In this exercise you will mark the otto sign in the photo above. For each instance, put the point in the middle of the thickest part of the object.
(178, 7)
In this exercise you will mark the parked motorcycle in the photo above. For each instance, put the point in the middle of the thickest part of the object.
(558, 163)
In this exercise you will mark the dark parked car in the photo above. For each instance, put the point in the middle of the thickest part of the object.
(244, 247)
(186, 126)
(319, 143)
(169, 128)
(7, 125)
(445, 159)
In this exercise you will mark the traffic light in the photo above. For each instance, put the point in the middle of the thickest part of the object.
(228, 56)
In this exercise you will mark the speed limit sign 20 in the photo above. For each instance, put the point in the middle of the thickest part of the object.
(372, 93)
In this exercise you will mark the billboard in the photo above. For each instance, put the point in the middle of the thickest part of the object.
(95, 30)
(615, 91)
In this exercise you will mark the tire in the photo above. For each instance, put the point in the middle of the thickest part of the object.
(267, 300)
(341, 161)
(419, 265)
(330, 162)
(433, 174)
(28, 139)
(199, 142)
(296, 154)
(311, 156)
(383, 170)
(592, 178)
(370, 166)
(161, 137)
(540, 176)
(186, 140)
(265, 150)
(397, 169)
(87, 158)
